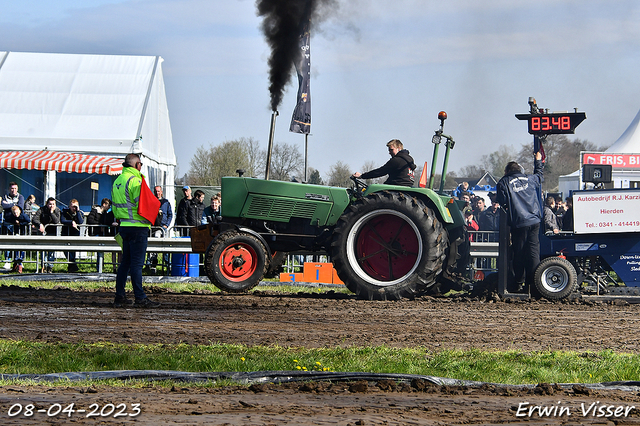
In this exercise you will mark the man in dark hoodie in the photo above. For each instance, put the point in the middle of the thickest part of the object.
(518, 194)
(399, 168)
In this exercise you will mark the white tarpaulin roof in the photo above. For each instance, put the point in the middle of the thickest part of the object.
(629, 141)
(89, 104)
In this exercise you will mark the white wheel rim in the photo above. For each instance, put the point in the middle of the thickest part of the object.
(351, 245)
(554, 279)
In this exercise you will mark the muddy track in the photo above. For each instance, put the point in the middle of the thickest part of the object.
(327, 320)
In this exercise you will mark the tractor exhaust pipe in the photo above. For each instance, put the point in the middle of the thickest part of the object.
(272, 132)
(437, 139)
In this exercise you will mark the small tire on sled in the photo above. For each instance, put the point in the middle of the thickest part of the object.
(555, 278)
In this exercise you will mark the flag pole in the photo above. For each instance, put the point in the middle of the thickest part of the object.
(306, 157)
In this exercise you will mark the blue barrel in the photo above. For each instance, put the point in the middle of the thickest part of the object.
(185, 265)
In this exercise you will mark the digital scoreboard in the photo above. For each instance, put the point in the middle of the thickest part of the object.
(554, 123)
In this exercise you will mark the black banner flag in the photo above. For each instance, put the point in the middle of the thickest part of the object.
(301, 119)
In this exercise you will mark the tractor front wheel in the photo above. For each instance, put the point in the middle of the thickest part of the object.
(236, 261)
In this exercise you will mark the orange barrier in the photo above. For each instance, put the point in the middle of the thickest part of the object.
(313, 272)
(318, 272)
(290, 278)
(336, 280)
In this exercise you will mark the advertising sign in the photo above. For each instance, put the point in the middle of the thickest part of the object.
(618, 161)
(607, 211)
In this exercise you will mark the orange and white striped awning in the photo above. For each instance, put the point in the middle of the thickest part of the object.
(60, 162)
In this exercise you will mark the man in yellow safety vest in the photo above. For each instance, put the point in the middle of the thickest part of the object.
(134, 231)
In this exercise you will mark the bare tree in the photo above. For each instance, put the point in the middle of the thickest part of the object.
(449, 182)
(562, 158)
(496, 161)
(367, 167)
(256, 157)
(472, 171)
(339, 175)
(201, 168)
(286, 162)
(208, 166)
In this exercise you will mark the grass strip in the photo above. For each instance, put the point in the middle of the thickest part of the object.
(511, 367)
(169, 286)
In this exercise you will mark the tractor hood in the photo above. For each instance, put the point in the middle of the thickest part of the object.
(278, 201)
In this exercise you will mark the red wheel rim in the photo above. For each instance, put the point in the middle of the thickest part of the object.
(387, 247)
(238, 262)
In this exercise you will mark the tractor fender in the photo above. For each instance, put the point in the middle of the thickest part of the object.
(227, 227)
(258, 236)
(439, 203)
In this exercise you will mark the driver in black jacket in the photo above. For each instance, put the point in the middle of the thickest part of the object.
(399, 168)
(518, 195)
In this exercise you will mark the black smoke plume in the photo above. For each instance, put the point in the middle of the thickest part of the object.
(283, 22)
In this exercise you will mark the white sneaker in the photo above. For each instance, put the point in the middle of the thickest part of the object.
(7, 265)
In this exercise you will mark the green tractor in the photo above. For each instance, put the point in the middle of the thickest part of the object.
(386, 242)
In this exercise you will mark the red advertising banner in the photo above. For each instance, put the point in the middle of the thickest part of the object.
(618, 161)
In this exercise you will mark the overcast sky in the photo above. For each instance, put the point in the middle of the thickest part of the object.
(380, 69)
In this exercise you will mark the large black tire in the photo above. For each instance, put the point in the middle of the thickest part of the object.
(555, 278)
(208, 259)
(236, 262)
(388, 246)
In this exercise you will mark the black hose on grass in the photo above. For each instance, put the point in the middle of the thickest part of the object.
(256, 377)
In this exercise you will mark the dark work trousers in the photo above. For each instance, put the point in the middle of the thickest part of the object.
(134, 249)
(526, 252)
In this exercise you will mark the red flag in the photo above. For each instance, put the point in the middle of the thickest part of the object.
(537, 147)
(423, 177)
(149, 205)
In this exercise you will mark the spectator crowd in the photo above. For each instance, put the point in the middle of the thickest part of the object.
(558, 214)
(482, 221)
(24, 216)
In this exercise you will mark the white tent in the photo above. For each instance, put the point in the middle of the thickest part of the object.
(100, 105)
(568, 183)
(627, 143)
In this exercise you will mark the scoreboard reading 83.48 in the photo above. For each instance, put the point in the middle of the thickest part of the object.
(554, 123)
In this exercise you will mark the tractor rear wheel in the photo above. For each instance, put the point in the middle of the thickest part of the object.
(389, 246)
(236, 261)
(555, 278)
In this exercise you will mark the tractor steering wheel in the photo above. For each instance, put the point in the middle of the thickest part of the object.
(359, 186)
